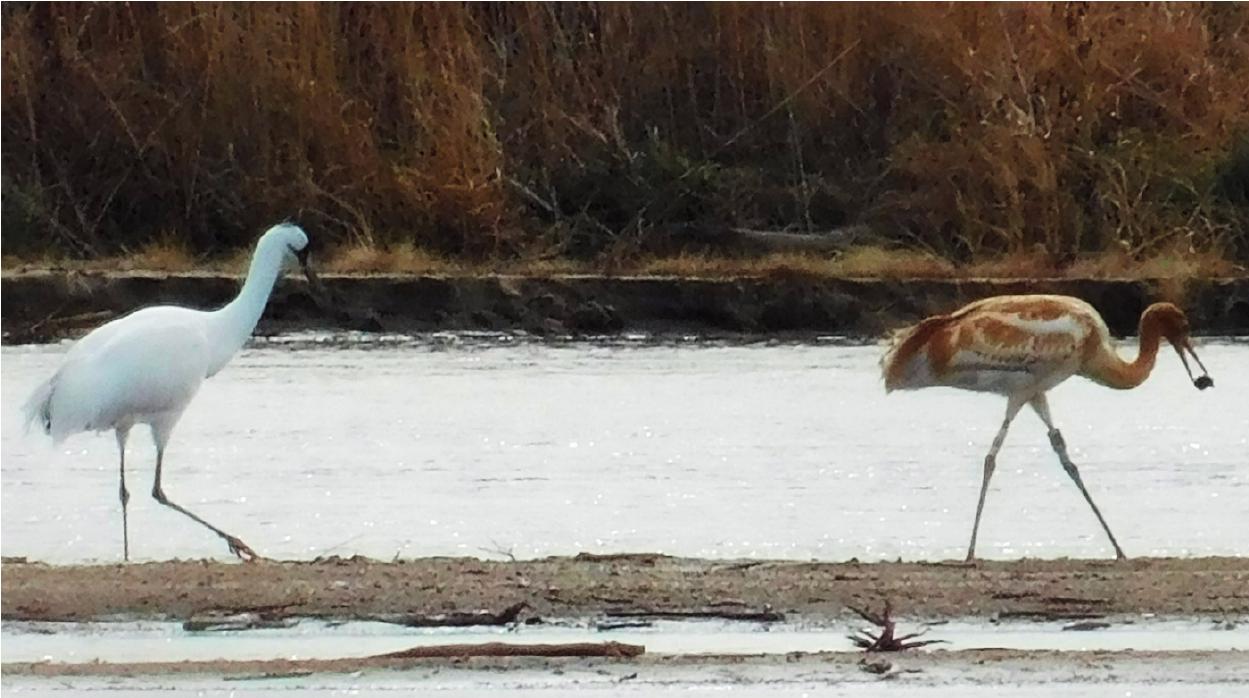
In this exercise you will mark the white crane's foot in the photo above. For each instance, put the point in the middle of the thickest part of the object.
(241, 549)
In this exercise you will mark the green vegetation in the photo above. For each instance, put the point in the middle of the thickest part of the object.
(566, 137)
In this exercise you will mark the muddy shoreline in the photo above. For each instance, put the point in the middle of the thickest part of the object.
(624, 585)
(45, 305)
(988, 666)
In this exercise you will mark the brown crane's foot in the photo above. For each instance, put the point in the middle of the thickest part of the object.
(885, 641)
(241, 549)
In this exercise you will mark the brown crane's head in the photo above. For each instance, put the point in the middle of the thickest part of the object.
(1167, 321)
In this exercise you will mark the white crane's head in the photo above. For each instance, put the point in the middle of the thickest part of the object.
(291, 240)
(1168, 321)
(293, 244)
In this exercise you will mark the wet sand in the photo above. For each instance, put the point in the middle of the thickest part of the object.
(967, 666)
(589, 585)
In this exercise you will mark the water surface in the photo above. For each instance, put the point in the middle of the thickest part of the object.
(159, 641)
(487, 446)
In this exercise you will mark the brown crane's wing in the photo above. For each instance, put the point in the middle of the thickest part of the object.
(978, 346)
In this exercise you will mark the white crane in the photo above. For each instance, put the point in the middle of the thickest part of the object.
(145, 367)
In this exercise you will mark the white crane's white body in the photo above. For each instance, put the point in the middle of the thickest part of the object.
(145, 367)
(140, 369)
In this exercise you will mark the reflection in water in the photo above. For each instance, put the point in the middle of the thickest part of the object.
(471, 445)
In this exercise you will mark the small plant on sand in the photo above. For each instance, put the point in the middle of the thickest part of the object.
(885, 641)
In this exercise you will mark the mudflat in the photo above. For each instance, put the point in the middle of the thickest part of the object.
(958, 668)
(632, 584)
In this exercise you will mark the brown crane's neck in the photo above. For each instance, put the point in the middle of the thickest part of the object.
(1112, 371)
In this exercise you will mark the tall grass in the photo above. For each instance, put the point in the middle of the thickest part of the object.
(967, 131)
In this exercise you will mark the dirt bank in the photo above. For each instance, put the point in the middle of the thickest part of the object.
(41, 305)
(593, 585)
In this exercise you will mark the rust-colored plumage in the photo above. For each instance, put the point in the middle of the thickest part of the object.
(1022, 346)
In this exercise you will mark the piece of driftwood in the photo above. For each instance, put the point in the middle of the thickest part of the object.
(1082, 600)
(454, 619)
(1086, 625)
(728, 238)
(270, 675)
(785, 241)
(1048, 614)
(721, 613)
(606, 625)
(236, 621)
(507, 649)
(636, 558)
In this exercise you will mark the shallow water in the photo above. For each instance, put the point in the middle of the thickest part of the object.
(485, 445)
(151, 641)
(1128, 674)
(147, 641)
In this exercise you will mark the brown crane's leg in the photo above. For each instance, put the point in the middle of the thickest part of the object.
(1060, 447)
(237, 546)
(990, 463)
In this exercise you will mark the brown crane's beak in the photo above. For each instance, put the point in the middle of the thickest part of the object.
(1204, 380)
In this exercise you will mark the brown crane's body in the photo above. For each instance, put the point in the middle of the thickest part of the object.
(1022, 346)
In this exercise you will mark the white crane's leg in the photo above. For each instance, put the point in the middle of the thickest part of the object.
(1060, 447)
(122, 433)
(1013, 406)
(237, 547)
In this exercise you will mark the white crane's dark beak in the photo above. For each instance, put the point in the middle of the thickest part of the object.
(1204, 380)
(316, 289)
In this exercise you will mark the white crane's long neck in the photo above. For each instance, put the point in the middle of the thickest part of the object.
(234, 323)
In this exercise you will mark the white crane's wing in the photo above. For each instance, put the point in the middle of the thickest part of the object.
(148, 363)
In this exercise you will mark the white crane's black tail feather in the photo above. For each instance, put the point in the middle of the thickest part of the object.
(38, 407)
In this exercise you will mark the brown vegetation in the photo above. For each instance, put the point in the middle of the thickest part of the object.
(963, 132)
(868, 262)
